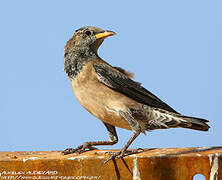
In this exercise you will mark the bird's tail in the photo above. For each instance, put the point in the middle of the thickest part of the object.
(164, 119)
(193, 123)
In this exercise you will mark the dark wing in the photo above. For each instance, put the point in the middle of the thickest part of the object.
(127, 73)
(120, 82)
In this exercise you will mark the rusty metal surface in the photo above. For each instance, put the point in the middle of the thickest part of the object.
(154, 164)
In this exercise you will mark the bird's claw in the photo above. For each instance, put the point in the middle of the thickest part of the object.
(115, 155)
(79, 150)
(69, 151)
(120, 154)
(129, 152)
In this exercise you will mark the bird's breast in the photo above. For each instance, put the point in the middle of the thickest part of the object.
(98, 99)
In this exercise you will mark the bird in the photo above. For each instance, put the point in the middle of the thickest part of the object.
(110, 94)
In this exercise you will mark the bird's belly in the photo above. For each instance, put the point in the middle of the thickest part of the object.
(101, 101)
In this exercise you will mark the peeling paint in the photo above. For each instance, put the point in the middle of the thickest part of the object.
(202, 148)
(24, 160)
(132, 155)
(190, 161)
(71, 158)
(161, 155)
(210, 158)
(100, 157)
(214, 168)
(77, 157)
(136, 171)
(31, 158)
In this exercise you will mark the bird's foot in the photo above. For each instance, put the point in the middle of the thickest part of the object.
(114, 155)
(79, 150)
(135, 151)
(121, 154)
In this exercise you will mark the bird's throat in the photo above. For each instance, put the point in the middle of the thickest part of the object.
(76, 59)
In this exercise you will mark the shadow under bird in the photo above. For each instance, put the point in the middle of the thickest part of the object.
(110, 94)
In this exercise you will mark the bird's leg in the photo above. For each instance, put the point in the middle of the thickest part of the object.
(122, 152)
(136, 129)
(113, 139)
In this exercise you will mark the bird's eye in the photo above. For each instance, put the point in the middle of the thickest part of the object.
(88, 33)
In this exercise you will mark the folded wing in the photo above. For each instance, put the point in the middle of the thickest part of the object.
(120, 82)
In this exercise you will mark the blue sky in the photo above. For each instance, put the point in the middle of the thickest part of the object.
(173, 47)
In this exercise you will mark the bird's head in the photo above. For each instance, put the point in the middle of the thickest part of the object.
(88, 37)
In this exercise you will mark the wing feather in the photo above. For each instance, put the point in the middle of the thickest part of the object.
(120, 82)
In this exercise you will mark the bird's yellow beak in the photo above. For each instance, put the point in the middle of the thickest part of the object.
(104, 34)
